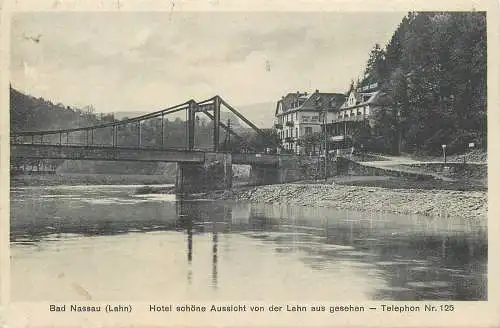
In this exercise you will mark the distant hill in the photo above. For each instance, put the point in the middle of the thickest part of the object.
(31, 113)
(228, 116)
(122, 115)
(223, 115)
(261, 114)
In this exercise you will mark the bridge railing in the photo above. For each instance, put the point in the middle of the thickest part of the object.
(107, 134)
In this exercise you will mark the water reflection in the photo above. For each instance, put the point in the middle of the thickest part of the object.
(372, 256)
(190, 249)
(189, 214)
(214, 259)
(416, 260)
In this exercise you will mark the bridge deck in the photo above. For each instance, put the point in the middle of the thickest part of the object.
(102, 153)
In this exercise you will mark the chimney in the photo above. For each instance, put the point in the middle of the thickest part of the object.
(317, 91)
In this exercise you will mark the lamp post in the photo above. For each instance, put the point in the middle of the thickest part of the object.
(471, 146)
(319, 105)
(399, 132)
(326, 143)
(444, 152)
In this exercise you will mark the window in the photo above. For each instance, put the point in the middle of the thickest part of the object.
(296, 115)
(286, 135)
(297, 132)
(309, 130)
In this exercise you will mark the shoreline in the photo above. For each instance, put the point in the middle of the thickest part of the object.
(465, 200)
(87, 179)
(468, 205)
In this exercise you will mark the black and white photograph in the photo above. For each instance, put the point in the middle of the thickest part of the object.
(211, 156)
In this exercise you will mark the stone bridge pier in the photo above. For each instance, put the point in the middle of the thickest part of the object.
(214, 174)
(288, 170)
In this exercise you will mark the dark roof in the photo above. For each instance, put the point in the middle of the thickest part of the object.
(374, 98)
(332, 100)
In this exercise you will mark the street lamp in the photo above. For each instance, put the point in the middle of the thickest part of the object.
(319, 105)
(444, 152)
(471, 146)
(399, 132)
(326, 142)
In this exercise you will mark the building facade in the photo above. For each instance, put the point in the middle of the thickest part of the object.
(359, 109)
(301, 114)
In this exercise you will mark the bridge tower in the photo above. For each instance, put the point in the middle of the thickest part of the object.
(191, 123)
(216, 122)
(216, 171)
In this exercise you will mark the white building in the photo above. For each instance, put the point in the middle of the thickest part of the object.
(300, 114)
(359, 108)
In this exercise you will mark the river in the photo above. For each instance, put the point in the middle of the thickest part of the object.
(105, 243)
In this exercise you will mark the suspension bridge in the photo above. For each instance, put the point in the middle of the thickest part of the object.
(197, 170)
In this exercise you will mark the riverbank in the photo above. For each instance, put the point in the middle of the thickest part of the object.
(469, 205)
(87, 179)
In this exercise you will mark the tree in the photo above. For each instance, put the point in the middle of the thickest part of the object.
(351, 87)
(376, 69)
(311, 142)
(433, 74)
(269, 139)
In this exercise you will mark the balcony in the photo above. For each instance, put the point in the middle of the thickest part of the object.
(289, 123)
(309, 119)
(278, 126)
(289, 139)
(353, 118)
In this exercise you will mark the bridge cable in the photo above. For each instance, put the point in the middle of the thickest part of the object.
(244, 119)
(165, 111)
(241, 139)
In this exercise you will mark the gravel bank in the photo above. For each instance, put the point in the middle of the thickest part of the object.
(470, 205)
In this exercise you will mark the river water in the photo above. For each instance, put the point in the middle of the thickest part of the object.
(104, 243)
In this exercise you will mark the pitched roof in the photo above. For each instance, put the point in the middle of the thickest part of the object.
(373, 99)
(333, 100)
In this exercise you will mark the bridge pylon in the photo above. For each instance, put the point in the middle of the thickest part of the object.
(191, 123)
(216, 122)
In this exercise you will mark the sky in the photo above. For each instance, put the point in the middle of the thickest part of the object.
(145, 61)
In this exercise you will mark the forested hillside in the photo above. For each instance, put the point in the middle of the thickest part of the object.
(433, 72)
(28, 113)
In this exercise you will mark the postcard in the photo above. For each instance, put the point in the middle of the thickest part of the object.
(214, 163)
